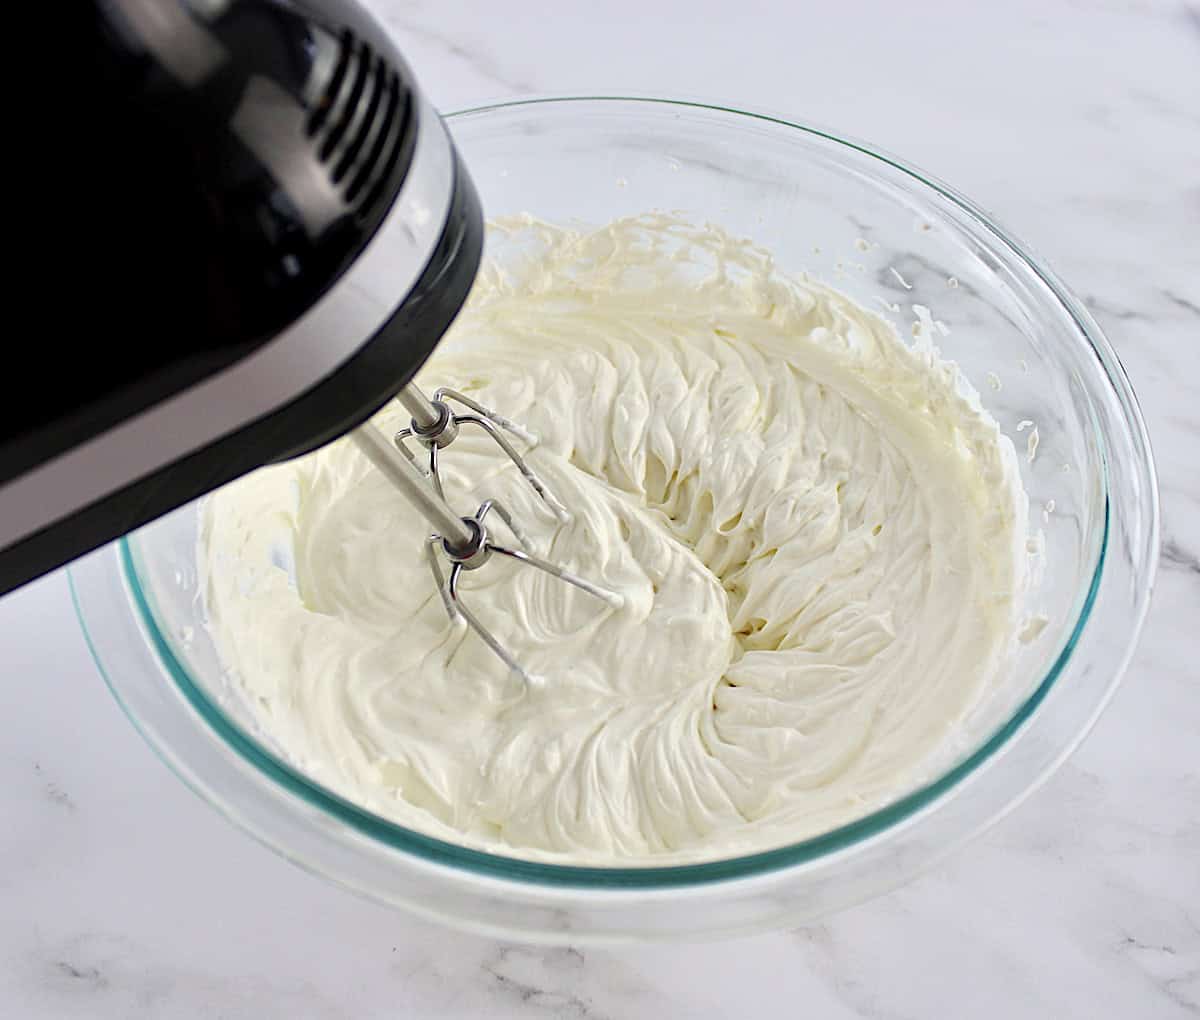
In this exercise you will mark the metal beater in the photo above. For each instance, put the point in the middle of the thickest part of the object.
(465, 542)
(436, 426)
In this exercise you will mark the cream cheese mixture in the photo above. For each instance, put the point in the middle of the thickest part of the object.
(818, 530)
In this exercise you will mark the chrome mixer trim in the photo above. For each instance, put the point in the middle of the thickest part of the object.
(324, 338)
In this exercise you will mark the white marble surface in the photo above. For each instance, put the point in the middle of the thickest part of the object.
(1078, 125)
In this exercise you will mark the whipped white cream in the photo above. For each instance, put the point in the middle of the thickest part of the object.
(818, 530)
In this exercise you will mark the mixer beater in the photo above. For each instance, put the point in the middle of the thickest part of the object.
(465, 543)
(436, 426)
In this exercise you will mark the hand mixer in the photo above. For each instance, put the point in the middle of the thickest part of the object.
(266, 230)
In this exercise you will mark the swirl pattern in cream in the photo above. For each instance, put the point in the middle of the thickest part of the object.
(818, 529)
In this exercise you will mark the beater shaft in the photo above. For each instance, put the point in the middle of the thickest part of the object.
(419, 406)
(400, 470)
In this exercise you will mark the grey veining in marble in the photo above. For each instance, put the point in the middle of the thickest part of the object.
(1078, 125)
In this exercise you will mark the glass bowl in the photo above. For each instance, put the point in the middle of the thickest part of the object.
(885, 234)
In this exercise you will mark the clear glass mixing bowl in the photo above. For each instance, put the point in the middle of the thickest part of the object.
(817, 201)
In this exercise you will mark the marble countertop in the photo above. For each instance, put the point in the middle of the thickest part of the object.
(1078, 125)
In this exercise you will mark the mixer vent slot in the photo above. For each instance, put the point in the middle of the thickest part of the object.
(360, 126)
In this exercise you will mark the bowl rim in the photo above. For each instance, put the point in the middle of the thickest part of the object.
(808, 851)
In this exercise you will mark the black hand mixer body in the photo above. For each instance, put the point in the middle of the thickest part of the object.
(274, 233)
